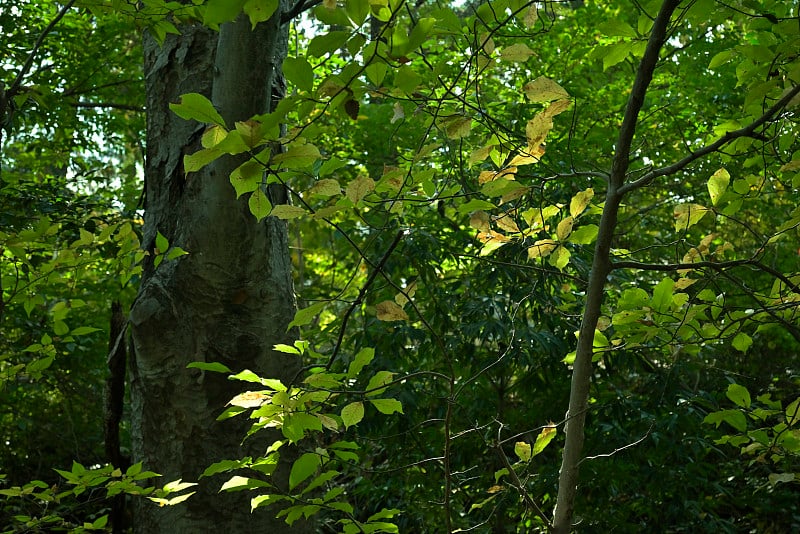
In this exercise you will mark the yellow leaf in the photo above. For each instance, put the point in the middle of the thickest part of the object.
(532, 154)
(491, 235)
(487, 43)
(718, 184)
(537, 129)
(687, 215)
(544, 89)
(514, 194)
(523, 450)
(683, 283)
(326, 187)
(458, 127)
(359, 188)
(541, 248)
(505, 222)
(518, 52)
(250, 131)
(389, 310)
(213, 136)
(791, 166)
(250, 399)
(564, 228)
(479, 154)
(330, 4)
(580, 201)
(490, 176)
(557, 107)
(479, 220)
(531, 16)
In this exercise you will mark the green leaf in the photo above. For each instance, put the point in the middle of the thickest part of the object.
(327, 43)
(475, 205)
(220, 11)
(260, 10)
(214, 367)
(543, 439)
(584, 235)
(361, 359)
(196, 106)
(735, 418)
(201, 158)
(288, 349)
(380, 378)
(306, 315)
(265, 500)
(239, 483)
(303, 467)
(299, 72)
(162, 244)
(721, 58)
(387, 406)
(662, 295)
(83, 330)
(297, 156)
(357, 10)
(739, 395)
(717, 185)
(792, 412)
(259, 204)
(617, 28)
(742, 342)
(352, 414)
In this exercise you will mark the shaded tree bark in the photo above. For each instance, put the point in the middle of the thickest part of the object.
(229, 300)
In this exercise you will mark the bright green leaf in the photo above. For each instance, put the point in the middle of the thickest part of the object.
(196, 106)
(352, 414)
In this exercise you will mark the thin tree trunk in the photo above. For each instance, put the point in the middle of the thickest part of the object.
(601, 266)
(229, 300)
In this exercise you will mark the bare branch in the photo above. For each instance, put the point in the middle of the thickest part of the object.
(108, 105)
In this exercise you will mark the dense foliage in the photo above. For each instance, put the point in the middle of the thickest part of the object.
(451, 168)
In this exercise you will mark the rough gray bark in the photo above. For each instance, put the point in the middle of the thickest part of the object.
(228, 301)
(601, 267)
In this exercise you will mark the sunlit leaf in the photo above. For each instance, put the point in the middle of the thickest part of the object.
(522, 450)
(579, 202)
(717, 185)
(544, 89)
(352, 414)
(687, 215)
(196, 106)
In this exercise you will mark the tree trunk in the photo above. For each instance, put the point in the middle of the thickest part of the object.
(229, 300)
(601, 266)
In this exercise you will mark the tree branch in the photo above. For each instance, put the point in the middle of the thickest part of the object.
(746, 131)
(716, 266)
(32, 56)
(108, 105)
(299, 7)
